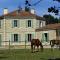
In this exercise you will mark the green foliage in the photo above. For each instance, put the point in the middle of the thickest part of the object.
(53, 10)
(50, 19)
(57, 0)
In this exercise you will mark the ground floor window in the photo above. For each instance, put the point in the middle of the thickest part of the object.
(15, 37)
(45, 37)
(28, 37)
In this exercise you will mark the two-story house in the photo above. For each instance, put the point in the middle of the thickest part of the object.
(19, 27)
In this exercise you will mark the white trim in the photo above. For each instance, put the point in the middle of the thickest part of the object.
(45, 31)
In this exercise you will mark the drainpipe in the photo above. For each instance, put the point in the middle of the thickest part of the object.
(4, 31)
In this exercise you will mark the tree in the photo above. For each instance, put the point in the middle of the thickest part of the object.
(54, 9)
(50, 19)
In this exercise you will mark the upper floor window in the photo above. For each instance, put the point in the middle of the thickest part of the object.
(40, 24)
(15, 23)
(29, 23)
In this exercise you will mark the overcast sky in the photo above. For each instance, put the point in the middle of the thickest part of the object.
(40, 9)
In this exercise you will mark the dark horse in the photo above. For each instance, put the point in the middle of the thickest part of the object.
(55, 42)
(36, 42)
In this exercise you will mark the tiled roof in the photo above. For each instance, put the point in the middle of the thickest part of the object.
(49, 27)
(22, 14)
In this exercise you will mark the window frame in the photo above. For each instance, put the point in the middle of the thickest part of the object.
(16, 37)
(29, 23)
(29, 37)
(15, 23)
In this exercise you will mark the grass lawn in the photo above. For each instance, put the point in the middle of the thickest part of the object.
(21, 54)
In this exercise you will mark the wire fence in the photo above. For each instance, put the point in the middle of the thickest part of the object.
(20, 45)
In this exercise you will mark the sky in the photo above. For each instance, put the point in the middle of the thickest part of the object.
(40, 9)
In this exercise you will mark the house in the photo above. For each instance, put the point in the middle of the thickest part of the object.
(49, 32)
(19, 27)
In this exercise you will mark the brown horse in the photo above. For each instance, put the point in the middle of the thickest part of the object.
(36, 42)
(55, 42)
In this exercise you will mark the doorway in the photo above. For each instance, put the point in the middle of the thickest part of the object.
(45, 37)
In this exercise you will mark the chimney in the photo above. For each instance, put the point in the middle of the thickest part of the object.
(32, 11)
(5, 11)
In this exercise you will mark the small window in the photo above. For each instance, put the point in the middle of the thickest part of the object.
(40, 23)
(29, 23)
(15, 23)
(15, 37)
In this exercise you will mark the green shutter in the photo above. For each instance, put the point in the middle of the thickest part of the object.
(0, 39)
(42, 37)
(32, 23)
(26, 23)
(12, 23)
(26, 37)
(2, 23)
(32, 36)
(18, 22)
(19, 38)
(12, 37)
(47, 37)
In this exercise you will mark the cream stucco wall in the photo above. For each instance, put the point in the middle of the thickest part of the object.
(51, 33)
(7, 30)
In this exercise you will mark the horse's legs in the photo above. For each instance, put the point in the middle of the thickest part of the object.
(37, 48)
(52, 47)
(41, 46)
(32, 48)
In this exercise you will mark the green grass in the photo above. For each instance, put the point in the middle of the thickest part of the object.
(26, 54)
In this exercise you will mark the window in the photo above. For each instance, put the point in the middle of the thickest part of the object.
(15, 37)
(29, 23)
(40, 23)
(45, 37)
(15, 23)
(29, 37)
(0, 23)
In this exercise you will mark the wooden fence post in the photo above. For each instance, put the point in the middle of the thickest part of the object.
(9, 45)
(25, 44)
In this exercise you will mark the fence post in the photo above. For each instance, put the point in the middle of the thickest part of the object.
(9, 45)
(25, 44)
